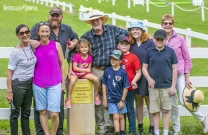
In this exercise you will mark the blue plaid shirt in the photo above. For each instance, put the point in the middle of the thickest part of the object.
(104, 44)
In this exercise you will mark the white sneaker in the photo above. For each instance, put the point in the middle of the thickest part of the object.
(205, 125)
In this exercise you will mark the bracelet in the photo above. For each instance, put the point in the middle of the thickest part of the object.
(9, 91)
(63, 79)
(122, 100)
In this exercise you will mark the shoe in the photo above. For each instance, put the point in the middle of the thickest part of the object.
(205, 125)
(151, 130)
(97, 99)
(177, 133)
(132, 134)
(100, 134)
(68, 103)
(140, 129)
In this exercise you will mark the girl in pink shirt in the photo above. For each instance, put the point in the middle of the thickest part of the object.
(81, 68)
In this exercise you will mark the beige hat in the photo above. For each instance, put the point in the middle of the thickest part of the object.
(192, 98)
(95, 14)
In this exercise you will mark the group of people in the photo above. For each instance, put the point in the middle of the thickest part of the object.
(124, 66)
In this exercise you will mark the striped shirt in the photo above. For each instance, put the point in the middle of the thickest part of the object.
(104, 44)
(22, 61)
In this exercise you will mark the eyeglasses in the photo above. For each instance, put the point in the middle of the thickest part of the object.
(27, 32)
(166, 23)
(159, 39)
(43, 23)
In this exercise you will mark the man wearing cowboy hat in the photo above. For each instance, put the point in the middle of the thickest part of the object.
(60, 33)
(103, 40)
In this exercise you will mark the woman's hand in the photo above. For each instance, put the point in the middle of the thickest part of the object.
(9, 96)
(63, 87)
(188, 81)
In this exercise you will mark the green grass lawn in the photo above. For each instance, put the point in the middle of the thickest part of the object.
(10, 19)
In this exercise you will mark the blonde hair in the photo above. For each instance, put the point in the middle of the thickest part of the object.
(83, 41)
(167, 17)
(144, 37)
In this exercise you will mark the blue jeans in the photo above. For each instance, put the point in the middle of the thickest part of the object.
(130, 111)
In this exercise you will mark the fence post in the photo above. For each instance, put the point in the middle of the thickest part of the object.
(46, 3)
(145, 25)
(37, 1)
(41, 2)
(129, 3)
(80, 12)
(33, 1)
(51, 3)
(188, 37)
(99, 1)
(127, 21)
(172, 5)
(202, 10)
(114, 19)
(113, 2)
(147, 5)
(63, 6)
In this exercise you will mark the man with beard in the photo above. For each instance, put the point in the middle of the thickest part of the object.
(103, 40)
(60, 33)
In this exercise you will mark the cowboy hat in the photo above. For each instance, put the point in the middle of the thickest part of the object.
(95, 14)
(192, 98)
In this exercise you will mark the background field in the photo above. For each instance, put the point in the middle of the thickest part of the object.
(10, 19)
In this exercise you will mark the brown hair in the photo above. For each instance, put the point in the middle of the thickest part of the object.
(143, 37)
(167, 17)
(83, 41)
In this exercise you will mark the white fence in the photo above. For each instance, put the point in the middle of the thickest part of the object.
(198, 81)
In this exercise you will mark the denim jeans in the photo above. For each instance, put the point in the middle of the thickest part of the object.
(130, 111)
(22, 100)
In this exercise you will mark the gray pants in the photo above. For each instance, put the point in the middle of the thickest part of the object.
(103, 119)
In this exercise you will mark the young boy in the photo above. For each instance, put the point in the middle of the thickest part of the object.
(115, 87)
(132, 65)
(160, 70)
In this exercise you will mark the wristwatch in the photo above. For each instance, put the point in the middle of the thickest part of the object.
(122, 100)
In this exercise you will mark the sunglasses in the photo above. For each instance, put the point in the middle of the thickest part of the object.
(44, 23)
(27, 32)
(159, 39)
(166, 23)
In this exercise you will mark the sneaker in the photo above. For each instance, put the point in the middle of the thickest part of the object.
(177, 133)
(68, 103)
(205, 125)
(97, 100)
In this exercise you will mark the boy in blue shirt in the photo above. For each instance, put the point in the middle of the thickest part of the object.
(115, 86)
(160, 70)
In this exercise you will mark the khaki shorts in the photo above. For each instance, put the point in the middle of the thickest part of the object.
(159, 99)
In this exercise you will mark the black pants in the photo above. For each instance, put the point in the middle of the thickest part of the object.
(22, 99)
(38, 127)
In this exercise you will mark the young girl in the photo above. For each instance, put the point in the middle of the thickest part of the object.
(81, 68)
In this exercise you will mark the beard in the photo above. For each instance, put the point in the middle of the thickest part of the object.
(55, 26)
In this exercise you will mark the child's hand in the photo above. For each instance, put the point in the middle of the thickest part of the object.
(120, 104)
(134, 85)
(172, 91)
(151, 83)
(88, 70)
(105, 103)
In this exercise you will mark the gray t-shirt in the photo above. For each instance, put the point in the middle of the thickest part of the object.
(22, 61)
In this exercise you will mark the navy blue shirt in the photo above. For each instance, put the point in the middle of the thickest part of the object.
(116, 82)
(65, 33)
(104, 44)
(160, 65)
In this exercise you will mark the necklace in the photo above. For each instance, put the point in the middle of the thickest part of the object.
(28, 59)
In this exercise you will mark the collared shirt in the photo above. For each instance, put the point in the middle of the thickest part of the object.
(104, 44)
(65, 33)
(160, 65)
(178, 44)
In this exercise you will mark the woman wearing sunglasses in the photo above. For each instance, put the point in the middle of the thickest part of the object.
(184, 66)
(140, 43)
(19, 81)
(48, 81)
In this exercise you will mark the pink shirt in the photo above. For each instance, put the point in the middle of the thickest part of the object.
(178, 43)
(47, 69)
(81, 63)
